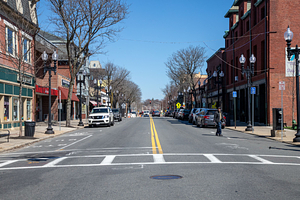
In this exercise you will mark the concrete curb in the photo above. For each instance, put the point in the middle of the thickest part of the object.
(271, 138)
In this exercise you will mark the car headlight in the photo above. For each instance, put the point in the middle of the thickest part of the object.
(91, 117)
(106, 116)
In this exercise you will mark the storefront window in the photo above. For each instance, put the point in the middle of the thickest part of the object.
(15, 109)
(6, 108)
(28, 109)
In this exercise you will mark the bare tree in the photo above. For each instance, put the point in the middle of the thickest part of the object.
(17, 49)
(183, 65)
(86, 25)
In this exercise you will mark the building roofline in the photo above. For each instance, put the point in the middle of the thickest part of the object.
(219, 50)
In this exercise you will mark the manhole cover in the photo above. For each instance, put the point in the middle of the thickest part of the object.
(166, 177)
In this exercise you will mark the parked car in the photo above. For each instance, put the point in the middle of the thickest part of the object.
(206, 118)
(192, 116)
(185, 115)
(156, 113)
(180, 114)
(168, 113)
(101, 116)
(117, 114)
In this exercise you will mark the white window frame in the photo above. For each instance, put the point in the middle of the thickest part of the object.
(28, 53)
(14, 30)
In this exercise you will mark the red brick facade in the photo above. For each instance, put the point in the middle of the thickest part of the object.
(257, 27)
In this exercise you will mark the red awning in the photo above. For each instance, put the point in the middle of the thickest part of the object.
(93, 102)
(64, 94)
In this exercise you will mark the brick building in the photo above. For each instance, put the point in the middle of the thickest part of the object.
(257, 27)
(18, 27)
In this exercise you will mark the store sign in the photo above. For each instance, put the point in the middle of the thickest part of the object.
(26, 79)
(65, 83)
(45, 90)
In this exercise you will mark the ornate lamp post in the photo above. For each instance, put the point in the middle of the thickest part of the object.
(81, 79)
(288, 36)
(49, 69)
(248, 72)
(218, 74)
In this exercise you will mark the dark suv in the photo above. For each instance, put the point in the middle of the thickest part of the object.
(117, 114)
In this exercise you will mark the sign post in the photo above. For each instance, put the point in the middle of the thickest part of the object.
(60, 107)
(234, 95)
(253, 92)
(281, 87)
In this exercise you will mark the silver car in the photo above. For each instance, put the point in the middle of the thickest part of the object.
(206, 118)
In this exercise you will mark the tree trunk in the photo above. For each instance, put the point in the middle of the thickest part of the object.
(20, 106)
(69, 102)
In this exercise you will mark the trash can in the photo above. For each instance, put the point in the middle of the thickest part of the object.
(29, 128)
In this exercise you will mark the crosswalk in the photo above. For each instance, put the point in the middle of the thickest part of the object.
(147, 159)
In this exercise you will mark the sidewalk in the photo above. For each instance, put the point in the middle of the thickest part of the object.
(17, 142)
(265, 131)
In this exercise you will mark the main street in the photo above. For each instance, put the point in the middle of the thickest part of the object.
(152, 158)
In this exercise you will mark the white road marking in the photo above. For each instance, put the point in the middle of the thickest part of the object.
(158, 158)
(264, 161)
(72, 139)
(108, 160)
(54, 162)
(212, 158)
(60, 145)
(8, 162)
(77, 141)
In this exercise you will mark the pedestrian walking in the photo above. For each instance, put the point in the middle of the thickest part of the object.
(218, 117)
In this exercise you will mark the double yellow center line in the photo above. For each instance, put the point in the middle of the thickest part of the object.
(154, 138)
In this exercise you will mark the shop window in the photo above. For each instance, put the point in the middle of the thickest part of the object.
(28, 106)
(6, 108)
(15, 109)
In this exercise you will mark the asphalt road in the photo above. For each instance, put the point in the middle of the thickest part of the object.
(141, 158)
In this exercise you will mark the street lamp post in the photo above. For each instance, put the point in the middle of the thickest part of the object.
(218, 74)
(248, 72)
(49, 69)
(288, 36)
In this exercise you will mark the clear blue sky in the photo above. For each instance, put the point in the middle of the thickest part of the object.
(154, 30)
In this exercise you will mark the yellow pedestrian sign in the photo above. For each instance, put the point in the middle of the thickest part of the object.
(178, 105)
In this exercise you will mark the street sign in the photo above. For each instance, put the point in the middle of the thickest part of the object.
(123, 106)
(281, 85)
(178, 105)
(253, 90)
(234, 94)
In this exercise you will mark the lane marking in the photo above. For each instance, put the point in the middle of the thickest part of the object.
(154, 138)
(212, 158)
(108, 160)
(54, 162)
(159, 158)
(264, 161)
(76, 142)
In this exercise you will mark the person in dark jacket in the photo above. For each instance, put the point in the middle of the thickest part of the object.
(218, 117)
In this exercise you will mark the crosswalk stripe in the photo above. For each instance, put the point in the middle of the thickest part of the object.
(158, 158)
(54, 162)
(8, 162)
(107, 160)
(261, 159)
(212, 158)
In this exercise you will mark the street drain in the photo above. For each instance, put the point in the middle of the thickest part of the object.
(165, 177)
